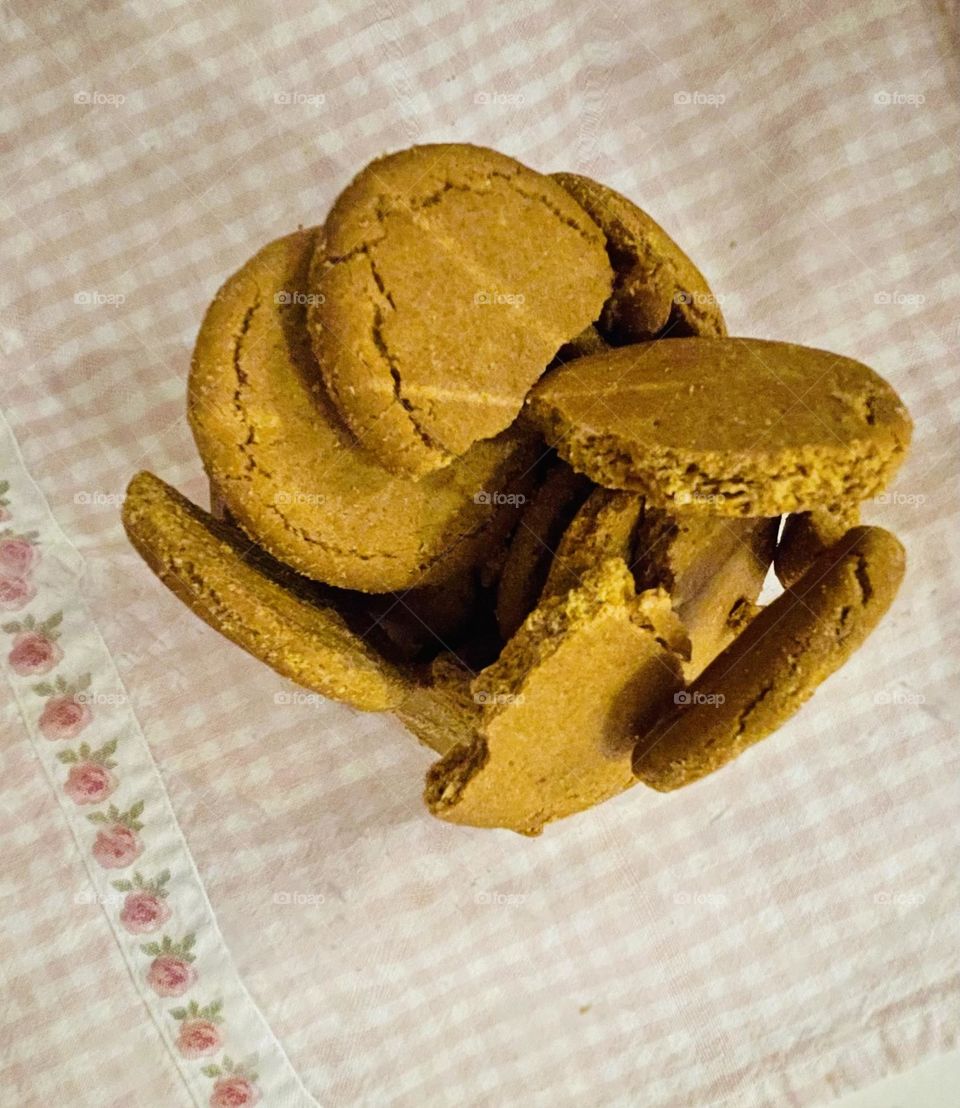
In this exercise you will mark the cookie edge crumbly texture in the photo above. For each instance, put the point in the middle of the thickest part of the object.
(654, 251)
(279, 628)
(800, 639)
(696, 479)
(540, 635)
(393, 434)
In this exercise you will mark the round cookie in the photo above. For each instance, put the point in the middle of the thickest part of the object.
(805, 537)
(718, 425)
(538, 532)
(657, 287)
(450, 276)
(293, 476)
(216, 572)
(777, 663)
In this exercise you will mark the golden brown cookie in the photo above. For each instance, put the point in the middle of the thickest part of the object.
(560, 705)
(657, 287)
(713, 567)
(778, 662)
(717, 425)
(805, 537)
(293, 476)
(538, 532)
(450, 277)
(588, 342)
(223, 579)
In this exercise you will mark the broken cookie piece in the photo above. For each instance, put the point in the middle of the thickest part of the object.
(550, 743)
(805, 537)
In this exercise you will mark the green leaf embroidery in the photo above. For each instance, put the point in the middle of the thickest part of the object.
(212, 1071)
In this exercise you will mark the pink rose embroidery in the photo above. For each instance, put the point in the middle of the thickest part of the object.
(233, 1092)
(116, 847)
(89, 780)
(144, 908)
(33, 652)
(118, 844)
(198, 1037)
(64, 717)
(143, 912)
(88, 783)
(170, 972)
(15, 592)
(169, 976)
(18, 556)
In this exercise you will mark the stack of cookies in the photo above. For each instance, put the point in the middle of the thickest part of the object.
(482, 453)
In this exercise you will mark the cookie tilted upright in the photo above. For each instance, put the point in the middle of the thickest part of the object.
(449, 278)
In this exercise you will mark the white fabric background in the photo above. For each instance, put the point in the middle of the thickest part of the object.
(775, 935)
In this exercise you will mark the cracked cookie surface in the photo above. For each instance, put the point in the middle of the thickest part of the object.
(777, 663)
(657, 288)
(216, 572)
(449, 278)
(294, 477)
(805, 537)
(727, 426)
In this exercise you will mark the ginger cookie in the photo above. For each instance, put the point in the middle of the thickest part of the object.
(293, 476)
(450, 277)
(657, 288)
(224, 580)
(533, 544)
(777, 663)
(728, 426)
(549, 741)
(805, 537)
(713, 567)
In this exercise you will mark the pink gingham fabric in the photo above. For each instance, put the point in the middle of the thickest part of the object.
(775, 935)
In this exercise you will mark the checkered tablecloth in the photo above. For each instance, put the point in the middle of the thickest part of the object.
(775, 935)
